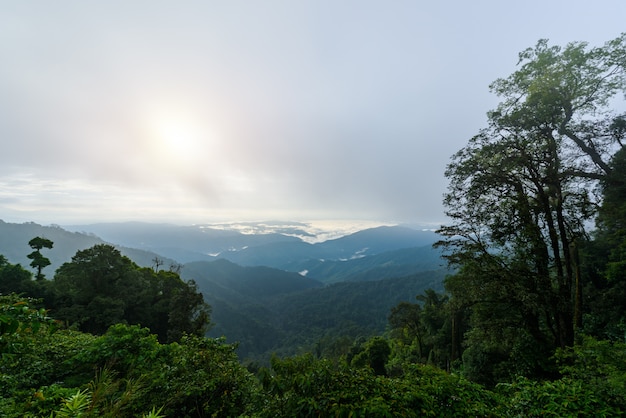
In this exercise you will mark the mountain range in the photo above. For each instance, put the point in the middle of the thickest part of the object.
(269, 292)
(272, 249)
(14, 246)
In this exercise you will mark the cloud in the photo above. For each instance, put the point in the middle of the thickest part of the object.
(303, 110)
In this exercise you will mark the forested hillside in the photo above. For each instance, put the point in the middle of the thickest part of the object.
(397, 263)
(269, 311)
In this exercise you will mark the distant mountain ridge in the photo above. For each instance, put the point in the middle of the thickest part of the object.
(371, 254)
(195, 243)
(271, 292)
(183, 243)
(14, 246)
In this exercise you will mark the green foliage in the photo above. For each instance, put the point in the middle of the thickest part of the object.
(560, 398)
(374, 355)
(600, 364)
(612, 218)
(154, 413)
(34, 356)
(104, 396)
(122, 349)
(452, 395)
(425, 333)
(191, 377)
(15, 279)
(200, 377)
(37, 378)
(74, 406)
(127, 372)
(18, 318)
(134, 374)
(304, 386)
(100, 288)
(520, 201)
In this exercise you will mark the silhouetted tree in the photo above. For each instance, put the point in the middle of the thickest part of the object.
(39, 261)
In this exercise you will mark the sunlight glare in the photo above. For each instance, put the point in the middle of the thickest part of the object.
(179, 139)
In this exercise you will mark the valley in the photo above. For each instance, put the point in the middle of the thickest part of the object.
(271, 292)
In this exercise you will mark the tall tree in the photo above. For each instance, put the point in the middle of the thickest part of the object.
(605, 258)
(427, 326)
(39, 261)
(176, 307)
(100, 287)
(522, 190)
(612, 216)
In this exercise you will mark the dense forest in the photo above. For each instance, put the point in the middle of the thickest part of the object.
(531, 322)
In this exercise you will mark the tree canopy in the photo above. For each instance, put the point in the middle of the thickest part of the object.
(100, 287)
(522, 194)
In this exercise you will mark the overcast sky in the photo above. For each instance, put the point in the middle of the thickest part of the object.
(200, 111)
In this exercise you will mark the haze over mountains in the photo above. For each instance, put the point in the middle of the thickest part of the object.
(278, 245)
(272, 290)
(14, 246)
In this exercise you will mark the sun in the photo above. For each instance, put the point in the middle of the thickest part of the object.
(179, 138)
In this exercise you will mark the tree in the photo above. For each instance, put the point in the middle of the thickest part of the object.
(605, 259)
(521, 192)
(374, 355)
(515, 218)
(39, 261)
(427, 326)
(100, 287)
(569, 93)
(93, 290)
(406, 325)
(436, 320)
(14, 278)
(176, 307)
(612, 216)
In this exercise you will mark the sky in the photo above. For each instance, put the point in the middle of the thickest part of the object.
(207, 111)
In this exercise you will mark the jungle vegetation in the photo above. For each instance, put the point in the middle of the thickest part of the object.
(531, 323)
